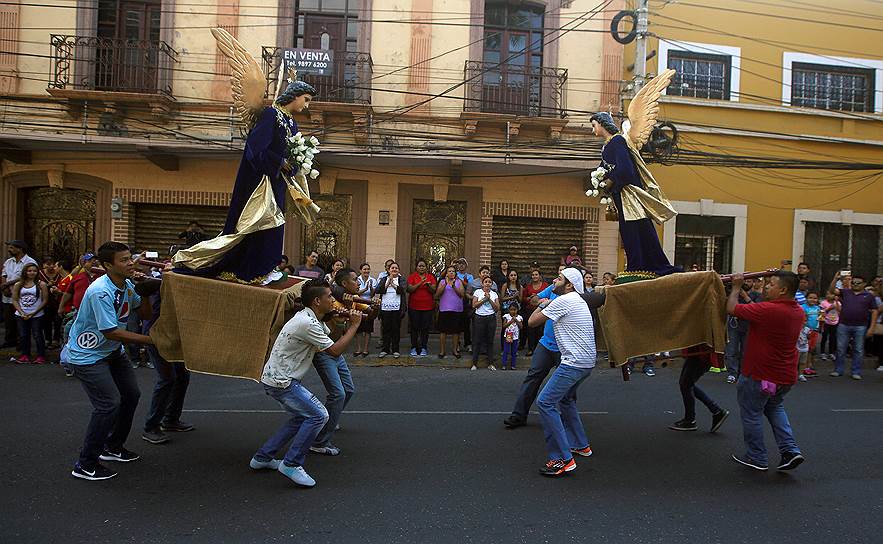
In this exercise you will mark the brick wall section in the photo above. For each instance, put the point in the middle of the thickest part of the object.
(588, 214)
(122, 228)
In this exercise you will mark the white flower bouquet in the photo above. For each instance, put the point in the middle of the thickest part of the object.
(601, 185)
(302, 152)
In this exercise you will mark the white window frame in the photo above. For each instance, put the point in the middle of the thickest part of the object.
(789, 58)
(705, 207)
(735, 54)
(842, 217)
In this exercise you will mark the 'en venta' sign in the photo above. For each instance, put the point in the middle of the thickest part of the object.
(318, 62)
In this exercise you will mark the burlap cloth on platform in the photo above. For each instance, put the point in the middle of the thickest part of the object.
(665, 314)
(219, 327)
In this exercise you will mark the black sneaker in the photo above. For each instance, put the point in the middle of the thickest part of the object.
(155, 436)
(122, 456)
(176, 427)
(557, 467)
(684, 425)
(718, 419)
(100, 472)
(513, 422)
(749, 462)
(790, 461)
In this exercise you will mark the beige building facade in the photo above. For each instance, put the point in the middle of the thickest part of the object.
(448, 127)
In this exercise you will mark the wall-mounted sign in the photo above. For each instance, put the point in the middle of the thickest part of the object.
(318, 62)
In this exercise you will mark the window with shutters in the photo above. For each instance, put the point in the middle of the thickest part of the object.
(9, 21)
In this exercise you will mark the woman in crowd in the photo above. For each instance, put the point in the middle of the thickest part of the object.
(510, 295)
(335, 266)
(421, 306)
(501, 274)
(367, 287)
(29, 295)
(536, 285)
(486, 304)
(50, 275)
(450, 293)
(589, 281)
(392, 306)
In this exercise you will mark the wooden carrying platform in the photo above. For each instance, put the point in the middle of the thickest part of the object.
(218, 327)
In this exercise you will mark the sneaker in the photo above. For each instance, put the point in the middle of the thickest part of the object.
(585, 452)
(177, 427)
(423, 353)
(326, 450)
(731, 379)
(684, 425)
(790, 461)
(297, 475)
(272, 464)
(718, 419)
(396, 355)
(381, 355)
(801, 378)
(513, 422)
(649, 371)
(474, 367)
(835, 374)
(122, 456)
(100, 472)
(155, 437)
(23, 360)
(149, 365)
(557, 467)
(856, 376)
(491, 367)
(40, 361)
(413, 352)
(68, 371)
(748, 462)
(880, 368)
(810, 372)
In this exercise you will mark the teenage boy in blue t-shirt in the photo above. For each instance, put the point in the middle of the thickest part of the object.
(95, 352)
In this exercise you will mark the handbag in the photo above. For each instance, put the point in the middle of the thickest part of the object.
(878, 329)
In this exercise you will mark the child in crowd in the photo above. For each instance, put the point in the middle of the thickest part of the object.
(831, 312)
(813, 314)
(512, 324)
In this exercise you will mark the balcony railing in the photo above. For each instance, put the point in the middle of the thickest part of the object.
(348, 83)
(91, 63)
(527, 91)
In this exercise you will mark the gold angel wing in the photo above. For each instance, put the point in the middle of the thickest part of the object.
(644, 109)
(247, 80)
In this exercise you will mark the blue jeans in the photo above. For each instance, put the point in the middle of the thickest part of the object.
(754, 404)
(338, 381)
(113, 390)
(737, 339)
(510, 353)
(562, 427)
(542, 362)
(308, 417)
(172, 380)
(855, 334)
(32, 327)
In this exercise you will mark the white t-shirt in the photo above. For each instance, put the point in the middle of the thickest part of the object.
(370, 283)
(12, 271)
(574, 330)
(486, 308)
(391, 301)
(292, 354)
(512, 330)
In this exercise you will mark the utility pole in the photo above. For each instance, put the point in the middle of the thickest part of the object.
(641, 46)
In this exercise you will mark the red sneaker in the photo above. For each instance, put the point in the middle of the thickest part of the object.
(23, 360)
(585, 452)
(810, 372)
(40, 360)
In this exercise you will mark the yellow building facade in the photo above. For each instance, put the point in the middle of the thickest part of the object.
(770, 84)
(448, 127)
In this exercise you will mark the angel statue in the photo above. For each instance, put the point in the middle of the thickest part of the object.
(637, 198)
(250, 246)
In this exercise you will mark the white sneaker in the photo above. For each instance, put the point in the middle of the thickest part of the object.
(259, 465)
(491, 367)
(880, 368)
(474, 367)
(396, 355)
(297, 475)
(801, 378)
(326, 450)
(856, 376)
(381, 355)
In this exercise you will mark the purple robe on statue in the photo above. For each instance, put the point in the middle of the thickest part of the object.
(639, 239)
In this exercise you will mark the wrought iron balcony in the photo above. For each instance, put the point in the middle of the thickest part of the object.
(348, 83)
(526, 91)
(89, 63)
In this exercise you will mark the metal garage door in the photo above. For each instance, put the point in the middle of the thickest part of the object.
(522, 240)
(156, 226)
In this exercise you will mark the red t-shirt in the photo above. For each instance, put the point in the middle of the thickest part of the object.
(528, 292)
(62, 287)
(77, 288)
(422, 298)
(771, 352)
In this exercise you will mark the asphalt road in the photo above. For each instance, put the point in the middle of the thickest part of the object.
(426, 459)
